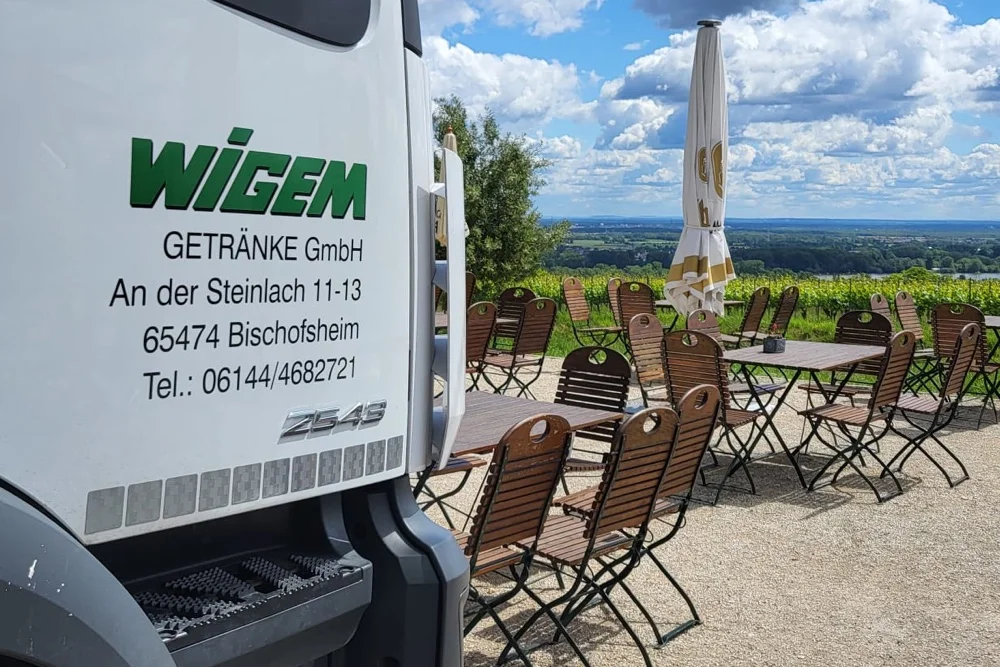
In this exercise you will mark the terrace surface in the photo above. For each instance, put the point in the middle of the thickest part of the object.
(790, 578)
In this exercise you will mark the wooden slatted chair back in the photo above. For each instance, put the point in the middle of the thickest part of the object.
(631, 481)
(535, 327)
(962, 359)
(645, 335)
(613, 286)
(895, 366)
(754, 314)
(705, 321)
(520, 482)
(479, 321)
(909, 318)
(947, 322)
(597, 378)
(694, 358)
(698, 414)
(510, 306)
(635, 298)
(576, 299)
(880, 305)
(864, 327)
(787, 304)
(470, 287)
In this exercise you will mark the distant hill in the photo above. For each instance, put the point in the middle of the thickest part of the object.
(791, 224)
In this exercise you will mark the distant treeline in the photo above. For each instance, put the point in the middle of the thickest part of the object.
(756, 253)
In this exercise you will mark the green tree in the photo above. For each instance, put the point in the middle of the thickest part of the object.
(503, 172)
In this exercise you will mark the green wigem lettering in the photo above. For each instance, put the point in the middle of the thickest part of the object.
(310, 185)
(340, 188)
(297, 184)
(217, 180)
(166, 174)
(240, 136)
(238, 200)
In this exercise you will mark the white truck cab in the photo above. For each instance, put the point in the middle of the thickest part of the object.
(216, 336)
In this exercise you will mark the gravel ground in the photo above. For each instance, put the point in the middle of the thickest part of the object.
(790, 578)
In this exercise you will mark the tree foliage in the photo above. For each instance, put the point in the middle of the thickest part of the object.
(503, 172)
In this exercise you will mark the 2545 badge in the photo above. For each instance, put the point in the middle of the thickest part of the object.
(316, 422)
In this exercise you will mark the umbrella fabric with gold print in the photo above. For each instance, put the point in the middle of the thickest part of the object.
(450, 142)
(702, 265)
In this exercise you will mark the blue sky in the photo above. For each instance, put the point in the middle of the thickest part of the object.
(838, 108)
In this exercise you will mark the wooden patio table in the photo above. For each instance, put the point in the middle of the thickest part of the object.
(488, 416)
(992, 323)
(799, 357)
(441, 320)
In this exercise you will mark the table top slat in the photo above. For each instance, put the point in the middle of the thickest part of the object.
(488, 416)
(807, 355)
(441, 320)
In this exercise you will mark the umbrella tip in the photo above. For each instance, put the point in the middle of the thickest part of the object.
(710, 23)
(449, 130)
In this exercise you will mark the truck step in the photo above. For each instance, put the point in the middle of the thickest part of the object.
(197, 605)
(215, 581)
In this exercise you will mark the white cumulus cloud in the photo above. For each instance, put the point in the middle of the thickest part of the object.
(541, 17)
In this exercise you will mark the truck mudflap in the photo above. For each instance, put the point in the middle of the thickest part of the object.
(59, 606)
(415, 619)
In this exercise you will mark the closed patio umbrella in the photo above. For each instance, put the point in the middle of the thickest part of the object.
(702, 265)
(450, 142)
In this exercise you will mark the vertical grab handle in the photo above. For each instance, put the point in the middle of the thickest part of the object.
(449, 275)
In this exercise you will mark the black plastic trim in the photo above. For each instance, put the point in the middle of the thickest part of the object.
(448, 561)
(421, 576)
(59, 606)
(337, 22)
(411, 27)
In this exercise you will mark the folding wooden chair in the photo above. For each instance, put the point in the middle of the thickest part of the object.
(909, 319)
(613, 286)
(940, 409)
(947, 322)
(513, 507)
(528, 352)
(457, 465)
(880, 408)
(925, 371)
(705, 321)
(694, 358)
(480, 319)
(579, 317)
(645, 334)
(752, 318)
(782, 317)
(510, 307)
(438, 295)
(698, 412)
(855, 327)
(880, 305)
(635, 298)
(596, 378)
(470, 287)
(624, 499)
(440, 299)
